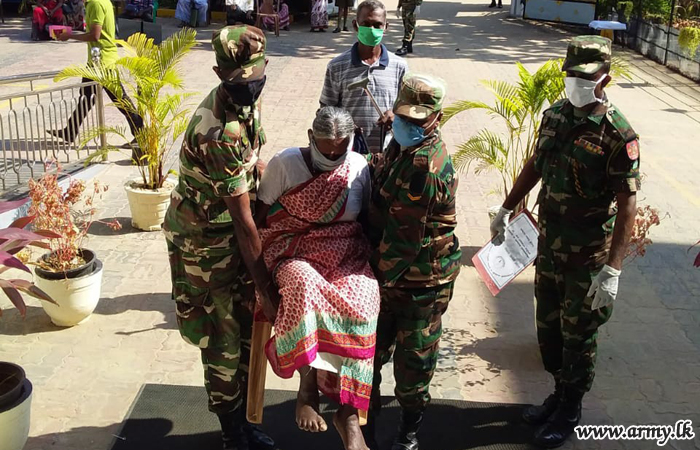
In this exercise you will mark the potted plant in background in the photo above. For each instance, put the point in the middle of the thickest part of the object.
(69, 273)
(152, 77)
(15, 388)
(519, 106)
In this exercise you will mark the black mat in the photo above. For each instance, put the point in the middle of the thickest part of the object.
(176, 418)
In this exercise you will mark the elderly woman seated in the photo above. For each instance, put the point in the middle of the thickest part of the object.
(307, 210)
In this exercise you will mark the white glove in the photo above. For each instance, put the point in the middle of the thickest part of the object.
(416, 11)
(499, 224)
(604, 286)
(398, 12)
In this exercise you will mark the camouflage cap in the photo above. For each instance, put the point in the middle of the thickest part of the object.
(419, 96)
(241, 50)
(588, 54)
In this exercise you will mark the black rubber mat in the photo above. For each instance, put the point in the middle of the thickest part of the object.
(176, 418)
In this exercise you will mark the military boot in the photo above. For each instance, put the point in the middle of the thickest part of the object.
(403, 51)
(407, 438)
(538, 414)
(232, 434)
(561, 424)
(238, 434)
(410, 47)
(493, 4)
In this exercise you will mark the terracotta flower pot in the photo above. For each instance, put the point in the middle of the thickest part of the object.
(148, 207)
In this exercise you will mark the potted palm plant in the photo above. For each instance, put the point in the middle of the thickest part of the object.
(69, 273)
(519, 106)
(15, 388)
(151, 75)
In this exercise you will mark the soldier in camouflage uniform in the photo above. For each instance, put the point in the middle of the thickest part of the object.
(408, 11)
(213, 244)
(587, 157)
(417, 255)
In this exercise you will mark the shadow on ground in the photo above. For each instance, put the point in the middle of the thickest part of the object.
(162, 418)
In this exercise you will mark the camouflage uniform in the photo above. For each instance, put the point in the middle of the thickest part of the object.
(408, 8)
(211, 286)
(417, 256)
(584, 161)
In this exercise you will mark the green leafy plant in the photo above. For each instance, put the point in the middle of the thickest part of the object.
(625, 9)
(519, 106)
(151, 75)
(14, 240)
(689, 40)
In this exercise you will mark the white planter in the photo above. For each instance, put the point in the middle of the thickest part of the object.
(148, 207)
(14, 422)
(76, 298)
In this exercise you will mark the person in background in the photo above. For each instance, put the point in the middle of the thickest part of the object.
(138, 9)
(45, 13)
(343, 8)
(587, 158)
(74, 12)
(417, 257)
(214, 249)
(408, 11)
(100, 37)
(319, 15)
(283, 14)
(183, 12)
(240, 12)
(368, 58)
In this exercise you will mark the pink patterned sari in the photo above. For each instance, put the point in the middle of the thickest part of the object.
(330, 298)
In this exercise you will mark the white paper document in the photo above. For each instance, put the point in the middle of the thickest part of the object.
(498, 265)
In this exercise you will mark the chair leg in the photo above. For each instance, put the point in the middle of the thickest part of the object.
(362, 415)
(277, 26)
(257, 369)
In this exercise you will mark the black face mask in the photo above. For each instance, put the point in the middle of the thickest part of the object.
(245, 94)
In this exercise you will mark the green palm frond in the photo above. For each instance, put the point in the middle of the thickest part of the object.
(145, 71)
(620, 68)
(460, 106)
(486, 149)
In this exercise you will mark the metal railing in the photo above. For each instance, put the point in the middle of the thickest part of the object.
(27, 118)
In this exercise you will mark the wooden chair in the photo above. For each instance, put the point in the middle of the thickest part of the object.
(257, 370)
(269, 8)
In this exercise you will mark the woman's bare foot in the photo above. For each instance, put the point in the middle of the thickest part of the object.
(307, 416)
(347, 423)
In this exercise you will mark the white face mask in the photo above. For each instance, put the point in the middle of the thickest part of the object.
(581, 92)
(321, 163)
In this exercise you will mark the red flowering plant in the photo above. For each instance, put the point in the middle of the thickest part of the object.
(68, 213)
(696, 263)
(647, 217)
(13, 241)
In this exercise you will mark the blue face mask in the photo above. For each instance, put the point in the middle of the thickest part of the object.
(406, 133)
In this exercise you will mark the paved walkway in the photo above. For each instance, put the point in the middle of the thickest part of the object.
(649, 355)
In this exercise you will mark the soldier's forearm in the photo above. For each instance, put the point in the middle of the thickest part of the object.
(527, 180)
(624, 225)
(249, 241)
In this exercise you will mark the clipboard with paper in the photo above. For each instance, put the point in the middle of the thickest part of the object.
(498, 265)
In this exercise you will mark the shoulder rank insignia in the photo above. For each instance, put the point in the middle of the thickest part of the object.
(633, 150)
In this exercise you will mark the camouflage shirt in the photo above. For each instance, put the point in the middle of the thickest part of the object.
(584, 161)
(412, 216)
(217, 160)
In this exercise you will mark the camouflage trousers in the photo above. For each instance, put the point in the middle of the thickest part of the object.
(210, 295)
(566, 327)
(409, 21)
(410, 328)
